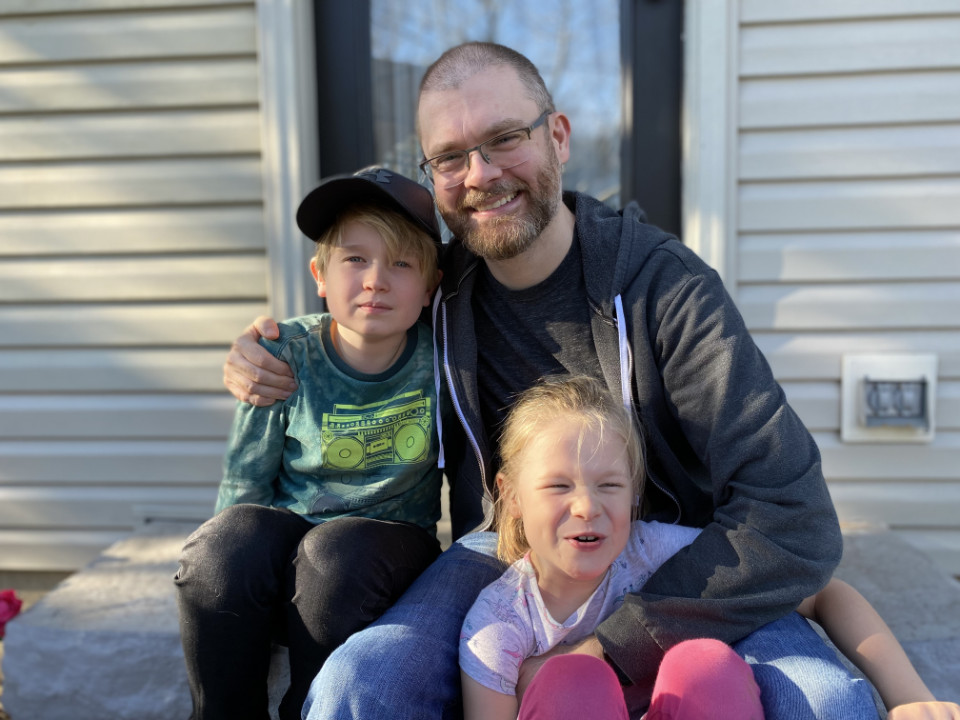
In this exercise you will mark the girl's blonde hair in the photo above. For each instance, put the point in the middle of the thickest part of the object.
(399, 234)
(578, 398)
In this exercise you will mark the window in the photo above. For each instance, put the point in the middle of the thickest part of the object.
(607, 62)
(575, 44)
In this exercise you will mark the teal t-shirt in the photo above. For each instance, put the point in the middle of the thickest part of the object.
(345, 443)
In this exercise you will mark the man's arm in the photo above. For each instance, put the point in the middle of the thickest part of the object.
(251, 373)
(720, 432)
(862, 636)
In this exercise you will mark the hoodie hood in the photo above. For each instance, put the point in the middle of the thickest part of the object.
(612, 240)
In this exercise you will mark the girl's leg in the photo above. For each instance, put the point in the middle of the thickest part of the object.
(573, 687)
(230, 592)
(704, 680)
(347, 573)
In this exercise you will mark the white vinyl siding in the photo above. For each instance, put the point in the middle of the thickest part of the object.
(847, 208)
(132, 252)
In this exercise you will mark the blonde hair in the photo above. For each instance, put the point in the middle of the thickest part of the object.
(398, 232)
(578, 398)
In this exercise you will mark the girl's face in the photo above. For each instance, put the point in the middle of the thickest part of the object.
(574, 491)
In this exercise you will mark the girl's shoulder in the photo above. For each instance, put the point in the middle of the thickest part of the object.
(507, 602)
(657, 541)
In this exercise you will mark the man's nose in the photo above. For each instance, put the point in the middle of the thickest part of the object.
(479, 171)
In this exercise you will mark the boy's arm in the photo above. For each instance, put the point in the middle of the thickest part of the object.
(482, 703)
(862, 635)
(253, 457)
(251, 373)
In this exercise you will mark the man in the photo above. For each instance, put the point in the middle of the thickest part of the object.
(540, 282)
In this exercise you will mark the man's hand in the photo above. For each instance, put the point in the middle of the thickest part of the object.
(531, 666)
(251, 373)
(926, 711)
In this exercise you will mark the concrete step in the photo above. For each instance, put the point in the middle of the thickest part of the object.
(916, 599)
(105, 643)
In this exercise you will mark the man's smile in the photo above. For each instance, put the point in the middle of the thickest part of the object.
(496, 203)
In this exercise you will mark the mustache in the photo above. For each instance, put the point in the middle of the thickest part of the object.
(476, 198)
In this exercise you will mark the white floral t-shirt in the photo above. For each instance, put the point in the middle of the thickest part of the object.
(509, 623)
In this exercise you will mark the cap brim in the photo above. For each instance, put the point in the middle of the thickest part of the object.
(319, 209)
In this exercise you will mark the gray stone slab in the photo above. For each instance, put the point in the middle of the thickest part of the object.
(916, 599)
(105, 643)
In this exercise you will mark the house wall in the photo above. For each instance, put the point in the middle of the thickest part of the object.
(132, 252)
(846, 217)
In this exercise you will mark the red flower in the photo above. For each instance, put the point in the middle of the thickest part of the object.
(10, 606)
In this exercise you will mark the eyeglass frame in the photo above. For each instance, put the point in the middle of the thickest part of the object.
(424, 164)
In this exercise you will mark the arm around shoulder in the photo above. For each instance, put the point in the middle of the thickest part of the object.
(251, 373)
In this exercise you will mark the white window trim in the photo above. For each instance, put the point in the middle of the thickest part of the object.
(289, 146)
(710, 118)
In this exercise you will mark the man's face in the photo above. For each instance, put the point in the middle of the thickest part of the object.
(497, 213)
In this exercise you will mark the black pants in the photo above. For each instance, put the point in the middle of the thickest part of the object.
(253, 575)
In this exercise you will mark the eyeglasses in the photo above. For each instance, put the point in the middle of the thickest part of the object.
(503, 151)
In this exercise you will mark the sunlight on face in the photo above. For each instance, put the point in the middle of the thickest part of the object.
(574, 491)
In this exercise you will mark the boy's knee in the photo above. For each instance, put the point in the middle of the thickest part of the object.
(228, 539)
(337, 540)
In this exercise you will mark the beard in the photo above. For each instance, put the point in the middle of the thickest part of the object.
(507, 237)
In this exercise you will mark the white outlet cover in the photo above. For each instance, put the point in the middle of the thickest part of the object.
(885, 367)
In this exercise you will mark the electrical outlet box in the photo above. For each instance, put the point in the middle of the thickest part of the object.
(888, 398)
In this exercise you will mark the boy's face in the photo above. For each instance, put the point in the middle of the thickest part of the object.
(371, 296)
(574, 491)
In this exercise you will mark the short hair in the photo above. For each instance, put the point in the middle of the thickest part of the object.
(462, 62)
(580, 398)
(399, 234)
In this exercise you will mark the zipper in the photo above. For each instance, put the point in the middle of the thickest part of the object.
(455, 400)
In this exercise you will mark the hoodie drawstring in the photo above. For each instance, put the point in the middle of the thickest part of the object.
(626, 355)
(441, 461)
(626, 383)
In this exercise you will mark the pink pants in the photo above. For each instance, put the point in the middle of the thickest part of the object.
(697, 680)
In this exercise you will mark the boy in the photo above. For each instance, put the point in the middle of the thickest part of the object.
(356, 446)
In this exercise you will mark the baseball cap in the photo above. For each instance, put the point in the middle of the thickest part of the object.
(319, 209)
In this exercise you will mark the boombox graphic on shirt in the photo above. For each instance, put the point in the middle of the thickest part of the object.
(383, 433)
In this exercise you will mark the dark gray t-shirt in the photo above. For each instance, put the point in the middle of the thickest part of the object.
(523, 335)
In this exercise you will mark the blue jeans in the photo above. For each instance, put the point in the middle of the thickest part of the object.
(405, 664)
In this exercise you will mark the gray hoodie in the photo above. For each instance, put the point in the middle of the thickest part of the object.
(725, 451)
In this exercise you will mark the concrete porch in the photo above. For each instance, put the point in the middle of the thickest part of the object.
(105, 644)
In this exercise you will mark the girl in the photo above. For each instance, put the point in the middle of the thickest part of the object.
(570, 485)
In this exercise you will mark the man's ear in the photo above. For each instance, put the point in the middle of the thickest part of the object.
(510, 503)
(560, 134)
(321, 285)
